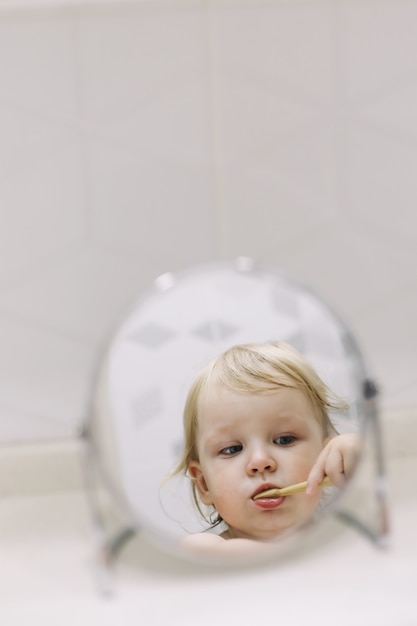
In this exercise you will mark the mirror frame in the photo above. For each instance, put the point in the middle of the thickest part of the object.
(98, 479)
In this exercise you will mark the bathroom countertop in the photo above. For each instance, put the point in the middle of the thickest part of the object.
(47, 573)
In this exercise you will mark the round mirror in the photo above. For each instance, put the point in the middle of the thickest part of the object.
(178, 325)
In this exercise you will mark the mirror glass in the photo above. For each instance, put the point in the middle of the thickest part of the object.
(173, 329)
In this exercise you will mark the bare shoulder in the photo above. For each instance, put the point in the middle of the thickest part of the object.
(207, 543)
(201, 541)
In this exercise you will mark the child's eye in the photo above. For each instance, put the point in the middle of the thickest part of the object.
(230, 450)
(285, 440)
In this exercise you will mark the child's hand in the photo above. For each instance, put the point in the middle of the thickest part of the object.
(337, 460)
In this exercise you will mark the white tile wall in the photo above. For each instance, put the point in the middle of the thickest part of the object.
(143, 137)
(42, 209)
(37, 67)
(44, 374)
(327, 189)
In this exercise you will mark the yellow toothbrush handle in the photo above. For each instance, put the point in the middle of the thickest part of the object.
(288, 491)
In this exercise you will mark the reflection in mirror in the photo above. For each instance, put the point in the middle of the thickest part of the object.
(135, 436)
(258, 446)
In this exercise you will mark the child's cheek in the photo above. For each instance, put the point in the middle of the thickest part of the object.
(308, 504)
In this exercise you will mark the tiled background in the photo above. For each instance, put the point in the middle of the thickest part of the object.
(143, 137)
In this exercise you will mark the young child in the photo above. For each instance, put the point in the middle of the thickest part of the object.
(256, 418)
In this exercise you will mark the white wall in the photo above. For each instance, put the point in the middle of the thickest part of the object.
(143, 137)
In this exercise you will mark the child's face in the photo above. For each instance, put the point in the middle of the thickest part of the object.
(248, 442)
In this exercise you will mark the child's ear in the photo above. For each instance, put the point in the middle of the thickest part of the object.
(197, 477)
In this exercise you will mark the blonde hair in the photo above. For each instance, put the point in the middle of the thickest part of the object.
(255, 368)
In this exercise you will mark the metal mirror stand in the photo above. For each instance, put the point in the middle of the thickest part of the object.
(377, 531)
(113, 519)
(108, 537)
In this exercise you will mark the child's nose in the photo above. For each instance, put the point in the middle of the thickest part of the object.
(261, 461)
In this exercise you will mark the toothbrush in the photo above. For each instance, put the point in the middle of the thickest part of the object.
(288, 491)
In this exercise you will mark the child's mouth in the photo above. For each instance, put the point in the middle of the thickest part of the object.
(288, 491)
(268, 502)
(268, 496)
(272, 492)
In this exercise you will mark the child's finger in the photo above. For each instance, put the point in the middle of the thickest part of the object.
(334, 468)
(351, 454)
(317, 473)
